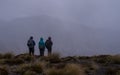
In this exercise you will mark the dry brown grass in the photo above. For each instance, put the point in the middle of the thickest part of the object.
(69, 69)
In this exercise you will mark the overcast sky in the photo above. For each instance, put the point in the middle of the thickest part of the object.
(88, 18)
(99, 13)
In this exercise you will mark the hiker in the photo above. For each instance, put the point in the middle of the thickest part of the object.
(31, 44)
(48, 45)
(41, 46)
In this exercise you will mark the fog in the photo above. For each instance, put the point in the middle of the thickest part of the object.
(77, 27)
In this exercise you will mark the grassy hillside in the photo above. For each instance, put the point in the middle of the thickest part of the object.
(24, 64)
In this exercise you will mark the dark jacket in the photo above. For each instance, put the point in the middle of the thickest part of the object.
(31, 43)
(48, 43)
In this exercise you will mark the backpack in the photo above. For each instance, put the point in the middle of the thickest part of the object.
(30, 43)
(48, 43)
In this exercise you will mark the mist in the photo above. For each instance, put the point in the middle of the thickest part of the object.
(77, 27)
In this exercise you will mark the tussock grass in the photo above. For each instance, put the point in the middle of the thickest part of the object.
(26, 57)
(54, 71)
(73, 69)
(22, 68)
(102, 59)
(12, 61)
(69, 69)
(54, 58)
(107, 59)
(8, 55)
(24, 64)
(36, 67)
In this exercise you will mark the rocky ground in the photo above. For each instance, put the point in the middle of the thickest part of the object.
(24, 64)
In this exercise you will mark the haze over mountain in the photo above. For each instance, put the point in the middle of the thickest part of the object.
(77, 27)
(75, 39)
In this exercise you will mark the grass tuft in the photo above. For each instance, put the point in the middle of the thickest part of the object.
(73, 69)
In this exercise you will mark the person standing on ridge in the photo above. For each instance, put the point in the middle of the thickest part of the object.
(48, 45)
(31, 44)
(41, 46)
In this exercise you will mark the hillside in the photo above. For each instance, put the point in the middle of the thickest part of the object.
(24, 64)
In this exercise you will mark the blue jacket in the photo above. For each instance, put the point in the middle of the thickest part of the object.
(41, 43)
